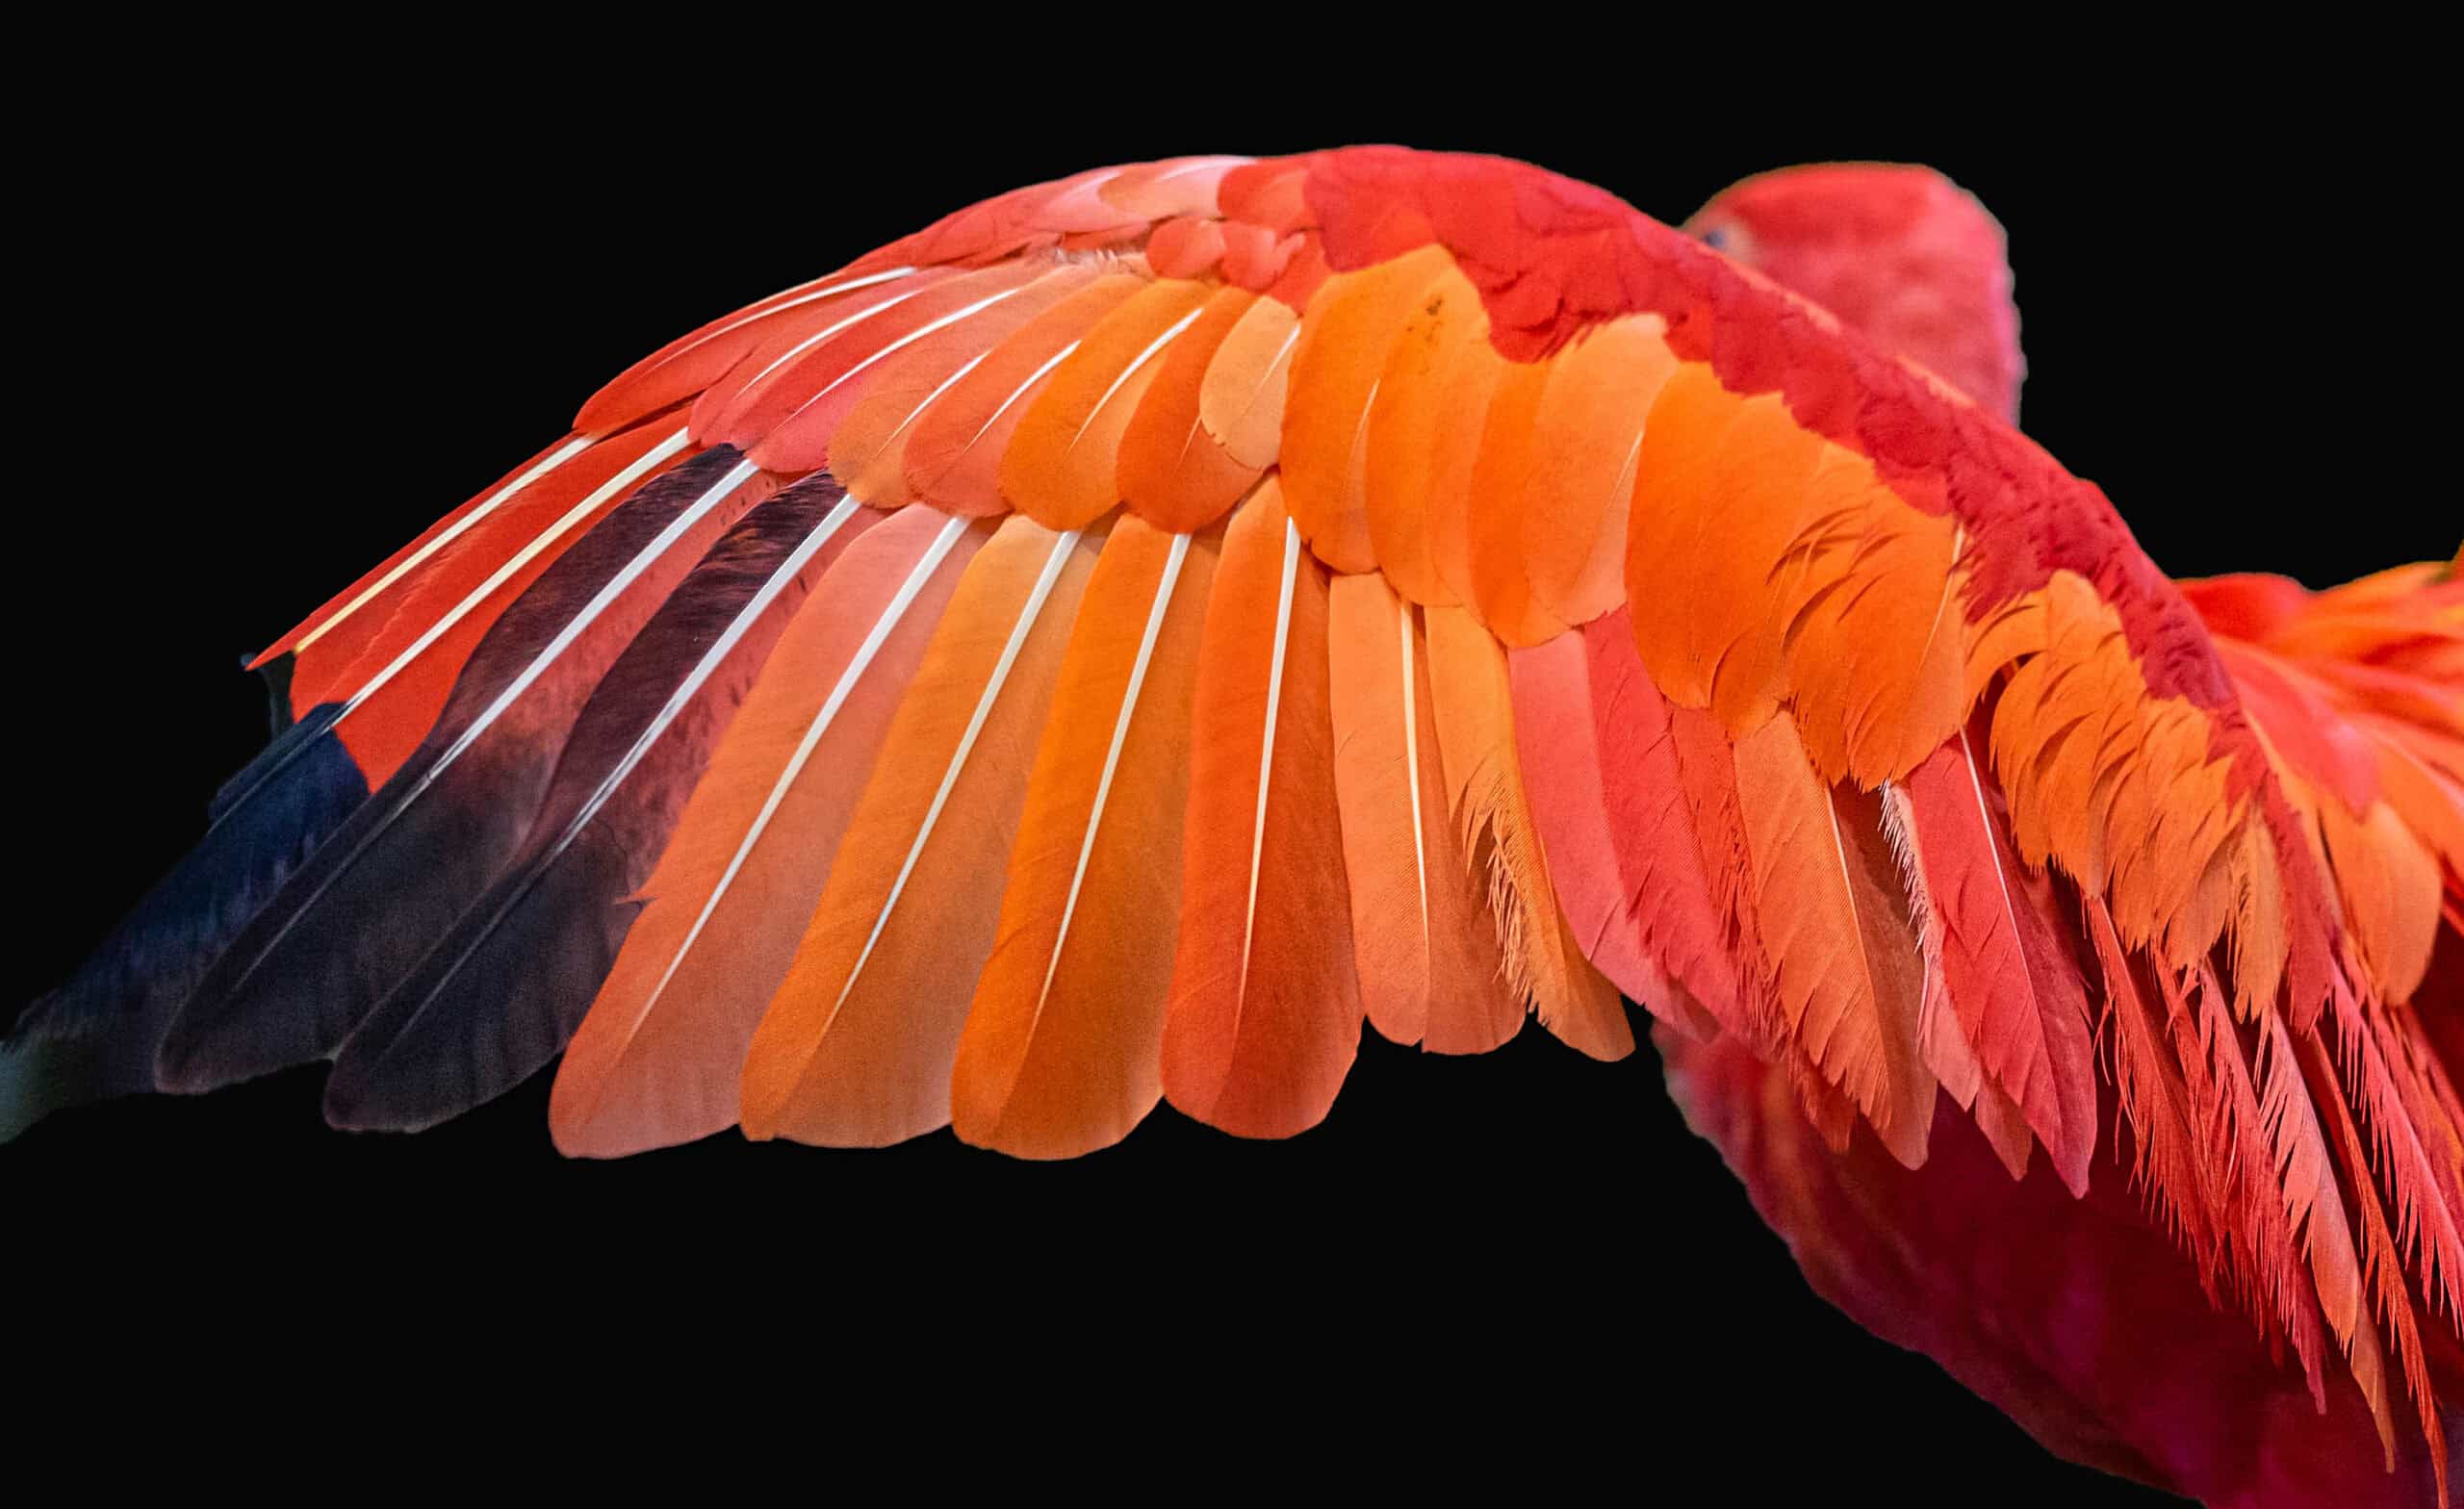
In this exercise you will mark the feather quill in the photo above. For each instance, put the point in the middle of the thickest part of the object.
(504, 990)
(1062, 468)
(1265, 1015)
(657, 1057)
(1427, 952)
(1173, 472)
(954, 458)
(1492, 817)
(2005, 970)
(1662, 863)
(1061, 1050)
(1836, 944)
(349, 924)
(685, 366)
(857, 1047)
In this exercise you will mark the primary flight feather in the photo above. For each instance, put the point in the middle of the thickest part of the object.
(1111, 644)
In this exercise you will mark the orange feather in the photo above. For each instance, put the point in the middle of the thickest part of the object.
(1496, 508)
(1266, 1010)
(1062, 469)
(1240, 399)
(1061, 1050)
(1173, 472)
(2391, 892)
(2121, 788)
(657, 1057)
(1836, 937)
(1765, 562)
(856, 1048)
(1423, 440)
(1469, 694)
(1427, 955)
(1876, 637)
(1475, 387)
(869, 449)
(953, 459)
(1335, 374)
(1720, 493)
(786, 420)
(1587, 437)
(787, 341)
(2431, 805)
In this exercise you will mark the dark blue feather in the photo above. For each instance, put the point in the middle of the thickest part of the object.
(107, 1020)
(348, 924)
(505, 991)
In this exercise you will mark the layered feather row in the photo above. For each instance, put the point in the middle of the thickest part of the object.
(1275, 651)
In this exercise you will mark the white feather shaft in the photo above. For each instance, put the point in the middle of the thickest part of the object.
(1266, 748)
(862, 661)
(643, 465)
(1061, 546)
(1112, 756)
(420, 557)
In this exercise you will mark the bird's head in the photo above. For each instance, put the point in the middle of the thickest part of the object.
(1899, 252)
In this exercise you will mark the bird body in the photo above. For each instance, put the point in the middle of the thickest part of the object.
(1111, 645)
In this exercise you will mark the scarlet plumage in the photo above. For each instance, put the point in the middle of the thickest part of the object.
(1484, 594)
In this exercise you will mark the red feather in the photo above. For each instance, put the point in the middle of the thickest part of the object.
(2008, 975)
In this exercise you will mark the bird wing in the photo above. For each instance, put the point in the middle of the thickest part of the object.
(1099, 648)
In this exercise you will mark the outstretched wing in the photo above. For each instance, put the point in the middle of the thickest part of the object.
(1101, 647)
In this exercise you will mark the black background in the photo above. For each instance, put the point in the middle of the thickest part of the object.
(305, 310)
